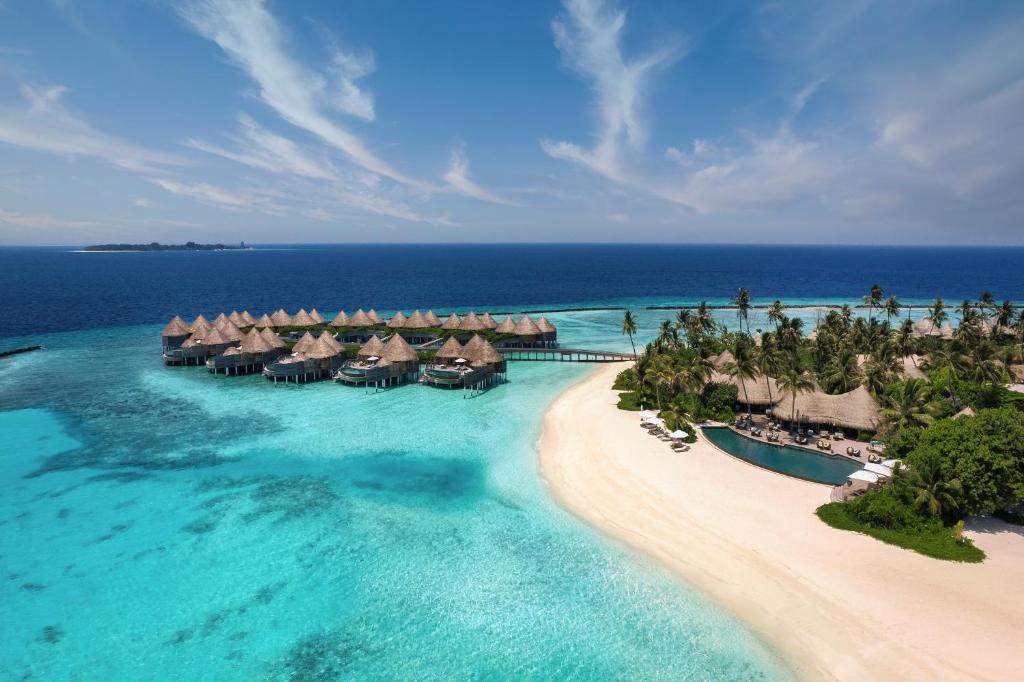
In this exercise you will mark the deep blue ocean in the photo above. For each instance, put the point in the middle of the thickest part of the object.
(165, 523)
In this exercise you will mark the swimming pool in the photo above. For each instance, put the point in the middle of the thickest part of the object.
(784, 459)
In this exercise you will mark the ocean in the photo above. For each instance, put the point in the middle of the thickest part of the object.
(166, 523)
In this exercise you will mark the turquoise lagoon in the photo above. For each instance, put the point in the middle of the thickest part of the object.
(164, 523)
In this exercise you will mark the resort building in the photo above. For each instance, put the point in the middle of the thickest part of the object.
(247, 319)
(926, 327)
(476, 365)
(280, 319)
(264, 322)
(251, 355)
(432, 319)
(451, 323)
(303, 319)
(507, 326)
(317, 317)
(174, 334)
(528, 332)
(318, 361)
(381, 364)
(488, 321)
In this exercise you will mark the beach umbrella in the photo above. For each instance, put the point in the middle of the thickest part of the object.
(678, 433)
(646, 414)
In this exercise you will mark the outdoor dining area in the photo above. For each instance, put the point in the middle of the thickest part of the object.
(863, 480)
(655, 426)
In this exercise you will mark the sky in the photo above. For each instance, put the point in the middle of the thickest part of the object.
(269, 121)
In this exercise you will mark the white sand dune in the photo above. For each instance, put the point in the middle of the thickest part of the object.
(835, 604)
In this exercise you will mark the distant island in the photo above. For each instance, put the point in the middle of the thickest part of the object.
(156, 246)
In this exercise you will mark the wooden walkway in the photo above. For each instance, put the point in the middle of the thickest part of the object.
(565, 355)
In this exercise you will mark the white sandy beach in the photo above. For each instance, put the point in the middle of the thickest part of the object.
(835, 604)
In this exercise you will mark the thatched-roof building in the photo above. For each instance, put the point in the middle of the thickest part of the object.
(317, 317)
(361, 319)
(432, 319)
(372, 348)
(341, 320)
(761, 392)
(248, 319)
(280, 319)
(507, 326)
(926, 327)
(236, 318)
(251, 355)
(374, 317)
(264, 322)
(303, 319)
(272, 338)
(476, 365)
(398, 321)
(449, 351)
(451, 322)
(549, 334)
(722, 359)
(471, 323)
(304, 344)
(527, 330)
(230, 330)
(219, 320)
(488, 321)
(856, 410)
(381, 364)
(416, 321)
(199, 324)
(175, 333)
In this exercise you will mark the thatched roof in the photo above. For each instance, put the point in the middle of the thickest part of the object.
(214, 337)
(264, 322)
(761, 391)
(254, 342)
(507, 326)
(329, 339)
(479, 352)
(545, 326)
(360, 319)
(722, 359)
(303, 319)
(451, 322)
(315, 314)
(281, 319)
(912, 367)
(272, 338)
(856, 409)
(323, 348)
(488, 321)
(230, 330)
(925, 327)
(471, 323)
(305, 343)
(416, 321)
(341, 320)
(527, 327)
(236, 318)
(372, 347)
(966, 412)
(398, 321)
(176, 327)
(374, 317)
(233, 350)
(398, 349)
(248, 319)
(433, 319)
(219, 320)
(199, 324)
(450, 350)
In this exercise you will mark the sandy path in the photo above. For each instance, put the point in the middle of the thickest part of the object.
(837, 605)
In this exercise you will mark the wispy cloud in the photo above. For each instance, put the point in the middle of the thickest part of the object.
(251, 37)
(46, 126)
(458, 178)
(239, 200)
(589, 37)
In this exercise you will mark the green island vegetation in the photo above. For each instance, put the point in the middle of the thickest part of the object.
(946, 411)
(156, 246)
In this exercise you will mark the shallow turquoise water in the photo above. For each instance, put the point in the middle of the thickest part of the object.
(791, 461)
(164, 523)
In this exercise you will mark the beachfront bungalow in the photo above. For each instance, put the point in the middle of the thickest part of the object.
(381, 364)
(374, 317)
(247, 319)
(280, 319)
(507, 326)
(763, 393)
(398, 321)
(528, 333)
(340, 320)
(303, 319)
(317, 317)
(926, 327)
(236, 318)
(451, 323)
(251, 355)
(432, 319)
(488, 321)
(548, 332)
(264, 322)
(318, 361)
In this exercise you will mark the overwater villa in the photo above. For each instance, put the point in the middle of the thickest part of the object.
(476, 365)
(381, 364)
(318, 359)
(257, 348)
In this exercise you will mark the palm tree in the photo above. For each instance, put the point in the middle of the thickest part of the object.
(684, 320)
(629, 327)
(892, 308)
(903, 340)
(768, 361)
(982, 366)
(843, 374)
(694, 372)
(794, 380)
(986, 302)
(742, 367)
(932, 492)
(1004, 316)
(966, 311)
(908, 405)
(937, 313)
(742, 303)
(775, 313)
(874, 298)
(955, 362)
(704, 318)
(668, 336)
(879, 371)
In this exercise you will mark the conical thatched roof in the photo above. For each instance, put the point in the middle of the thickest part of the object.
(374, 317)
(360, 319)
(281, 319)
(372, 347)
(527, 327)
(398, 349)
(272, 338)
(215, 337)
(331, 341)
(451, 322)
(507, 326)
(254, 342)
(471, 323)
(722, 359)
(341, 320)
(305, 343)
(219, 320)
(416, 321)
(230, 330)
(248, 319)
(317, 317)
(398, 321)
(450, 350)
(488, 321)
(545, 326)
(264, 322)
(233, 350)
(176, 327)
(479, 352)
(236, 318)
(912, 367)
(199, 324)
(303, 319)
(432, 319)
(322, 348)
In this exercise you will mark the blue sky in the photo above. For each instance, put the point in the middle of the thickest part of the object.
(273, 121)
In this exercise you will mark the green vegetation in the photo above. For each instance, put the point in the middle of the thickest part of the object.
(921, 375)
(156, 246)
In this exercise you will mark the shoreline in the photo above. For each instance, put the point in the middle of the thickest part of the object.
(833, 604)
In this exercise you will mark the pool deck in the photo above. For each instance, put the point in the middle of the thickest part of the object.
(839, 447)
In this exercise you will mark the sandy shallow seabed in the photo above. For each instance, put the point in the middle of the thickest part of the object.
(835, 604)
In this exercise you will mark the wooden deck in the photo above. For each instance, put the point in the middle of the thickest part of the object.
(565, 355)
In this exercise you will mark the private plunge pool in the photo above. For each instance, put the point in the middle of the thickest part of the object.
(785, 459)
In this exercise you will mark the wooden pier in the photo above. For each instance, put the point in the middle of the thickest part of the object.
(565, 355)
